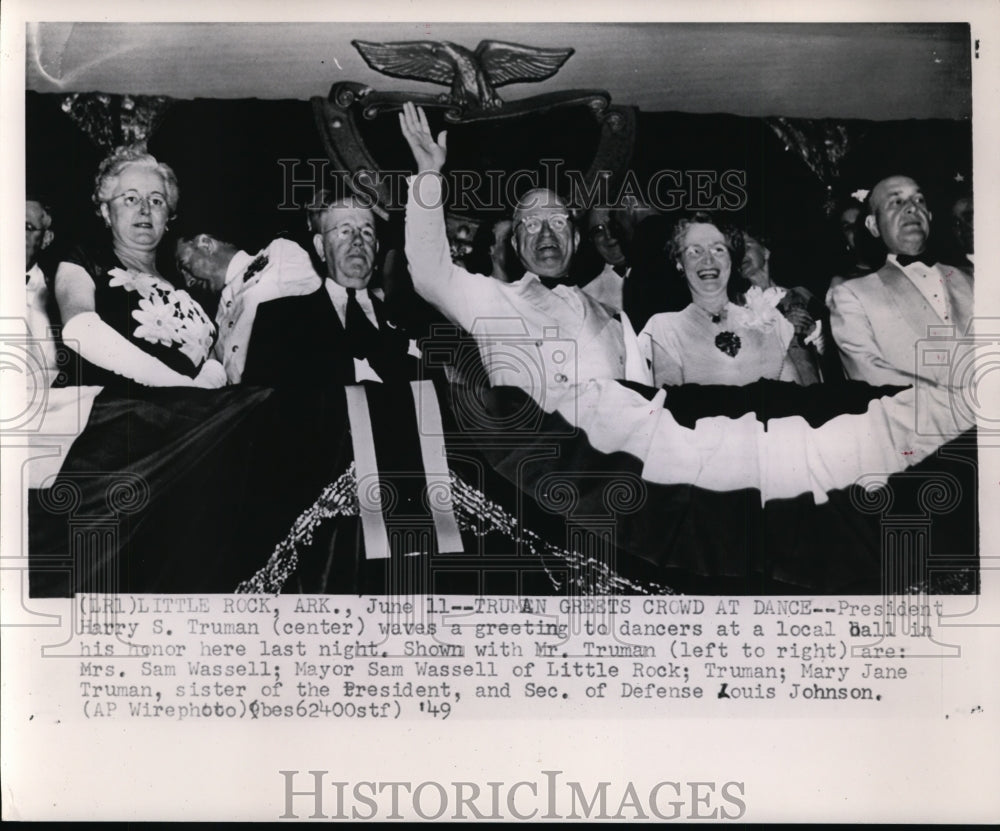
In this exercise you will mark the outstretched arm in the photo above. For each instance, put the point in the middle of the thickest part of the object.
(457, 294)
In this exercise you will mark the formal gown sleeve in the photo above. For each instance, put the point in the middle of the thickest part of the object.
(658, 342)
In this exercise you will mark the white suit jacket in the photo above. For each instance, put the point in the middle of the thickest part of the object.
(283, 269)
(541, 340)
(888, 333)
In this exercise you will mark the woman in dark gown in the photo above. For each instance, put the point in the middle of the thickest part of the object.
(124, 319)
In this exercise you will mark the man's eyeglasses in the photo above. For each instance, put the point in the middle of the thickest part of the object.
(345, 232)
(601, 231)
(132, 199)
(533, 224)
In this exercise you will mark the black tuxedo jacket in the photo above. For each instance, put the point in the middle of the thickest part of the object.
(300, 341)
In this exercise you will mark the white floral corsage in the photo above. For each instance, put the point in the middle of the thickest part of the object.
(156, 321)
(134, 281)
(759, 309)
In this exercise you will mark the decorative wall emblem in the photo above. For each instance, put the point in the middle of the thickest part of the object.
(472, 76)
(345, 117)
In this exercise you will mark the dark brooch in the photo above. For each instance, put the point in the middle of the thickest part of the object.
(728, 342)
(259, 264)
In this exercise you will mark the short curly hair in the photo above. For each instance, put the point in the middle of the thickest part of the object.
(734, 241)
(132, 154)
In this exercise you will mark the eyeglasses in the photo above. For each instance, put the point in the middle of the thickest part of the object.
(533, 224)
(601, 231)
(345, 232)
(696, 252)
(132, 199)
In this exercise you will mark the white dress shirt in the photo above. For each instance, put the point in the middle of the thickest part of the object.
(338, 294)
(929, 281)
(283, 269)
(608, 287)
(363, 370)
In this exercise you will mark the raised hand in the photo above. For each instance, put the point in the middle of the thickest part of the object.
(428, 153)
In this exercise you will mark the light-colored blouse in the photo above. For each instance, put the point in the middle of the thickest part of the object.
(687, 347)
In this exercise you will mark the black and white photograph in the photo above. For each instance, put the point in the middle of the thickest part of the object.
(526, 376)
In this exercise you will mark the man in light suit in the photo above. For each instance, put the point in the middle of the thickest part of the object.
(878, 320)
(242, 282)
(539, 333)
(340, 333)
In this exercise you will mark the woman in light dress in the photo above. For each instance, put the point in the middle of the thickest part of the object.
(731, 333)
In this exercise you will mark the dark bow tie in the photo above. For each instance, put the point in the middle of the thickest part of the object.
(908, 259)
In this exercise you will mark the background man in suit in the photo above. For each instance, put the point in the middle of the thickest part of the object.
(878, 320)
(608, 285)
(243, 281)
(339, 333)
(41, 311)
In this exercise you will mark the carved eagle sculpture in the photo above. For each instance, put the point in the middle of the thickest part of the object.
(473, 76)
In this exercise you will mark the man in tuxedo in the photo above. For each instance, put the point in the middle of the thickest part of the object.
(339, 333)
(241, 282)
(41, 312)
(608, 285)
(540, 333)
(878, 320)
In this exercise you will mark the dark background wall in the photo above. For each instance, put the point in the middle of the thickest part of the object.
(227, 155)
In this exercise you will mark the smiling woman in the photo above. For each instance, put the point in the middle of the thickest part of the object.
(123, 318)
(717, 340)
